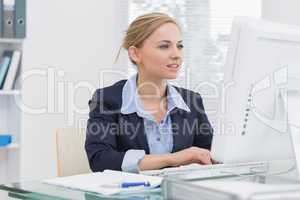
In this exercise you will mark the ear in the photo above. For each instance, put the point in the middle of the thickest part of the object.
(134, 54)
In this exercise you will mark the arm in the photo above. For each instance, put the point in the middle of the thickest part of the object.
(204, 133)
(150, 162)
(101, 144)
(183, 157)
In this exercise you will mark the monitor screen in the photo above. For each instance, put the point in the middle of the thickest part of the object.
(262, 58)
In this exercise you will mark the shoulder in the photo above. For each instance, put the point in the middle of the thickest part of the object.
(111, 95)
(188, 96)
(192, 99)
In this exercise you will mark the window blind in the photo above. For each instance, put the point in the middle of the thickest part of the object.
(206, 26)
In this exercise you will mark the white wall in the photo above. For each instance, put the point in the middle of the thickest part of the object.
(283, 11)
(79, 38)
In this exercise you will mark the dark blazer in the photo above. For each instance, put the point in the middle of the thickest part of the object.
(110, 133)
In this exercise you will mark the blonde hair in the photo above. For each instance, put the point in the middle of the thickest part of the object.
(142, 27)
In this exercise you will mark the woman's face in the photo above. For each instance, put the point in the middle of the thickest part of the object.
(160, 56)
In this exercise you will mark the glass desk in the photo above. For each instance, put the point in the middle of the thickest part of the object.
(37, 190)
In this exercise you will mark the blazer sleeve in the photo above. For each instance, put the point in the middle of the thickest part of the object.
(204, 133)
(101, 137)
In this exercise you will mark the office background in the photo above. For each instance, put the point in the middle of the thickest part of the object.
(72, 41)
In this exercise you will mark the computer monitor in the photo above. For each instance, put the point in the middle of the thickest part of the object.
(262, 59)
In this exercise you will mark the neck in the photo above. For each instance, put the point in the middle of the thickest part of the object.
(151, 88)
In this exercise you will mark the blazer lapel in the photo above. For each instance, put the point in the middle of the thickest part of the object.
(140, 134)
(177, 128)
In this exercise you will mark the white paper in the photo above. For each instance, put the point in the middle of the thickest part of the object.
(97, 182)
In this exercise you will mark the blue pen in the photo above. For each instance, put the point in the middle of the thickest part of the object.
(134, 184)
(127, 184)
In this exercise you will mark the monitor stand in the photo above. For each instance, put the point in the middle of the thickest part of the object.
(293, 109)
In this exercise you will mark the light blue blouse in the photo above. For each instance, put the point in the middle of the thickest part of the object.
(159, 135)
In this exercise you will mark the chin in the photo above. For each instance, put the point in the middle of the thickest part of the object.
(171, 76)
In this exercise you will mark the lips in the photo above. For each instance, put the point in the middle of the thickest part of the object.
(173, 65)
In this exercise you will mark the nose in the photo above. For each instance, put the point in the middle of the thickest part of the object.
(176, 53)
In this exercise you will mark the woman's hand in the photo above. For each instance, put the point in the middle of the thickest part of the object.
(191, 155)
(183, 157)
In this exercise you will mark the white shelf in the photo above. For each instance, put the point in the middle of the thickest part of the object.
(12, 146)
(11, 40)
(10, 119)
(9, 92)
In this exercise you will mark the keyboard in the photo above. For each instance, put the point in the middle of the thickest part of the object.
(197, 171)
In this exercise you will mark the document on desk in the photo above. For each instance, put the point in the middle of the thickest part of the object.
(109, 182)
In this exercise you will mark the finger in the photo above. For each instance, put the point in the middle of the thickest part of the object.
(209, 158)
(205, 159)
(214, 162)
(209, 162)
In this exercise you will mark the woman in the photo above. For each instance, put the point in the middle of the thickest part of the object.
(145, 123)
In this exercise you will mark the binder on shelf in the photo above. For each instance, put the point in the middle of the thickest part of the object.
(5, 139)
(4, 66)
(12, 71)
(1, 17)
(8, 18)
(20, 18)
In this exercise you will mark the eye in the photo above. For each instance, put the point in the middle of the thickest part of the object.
(180, 46)
(164, 46)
